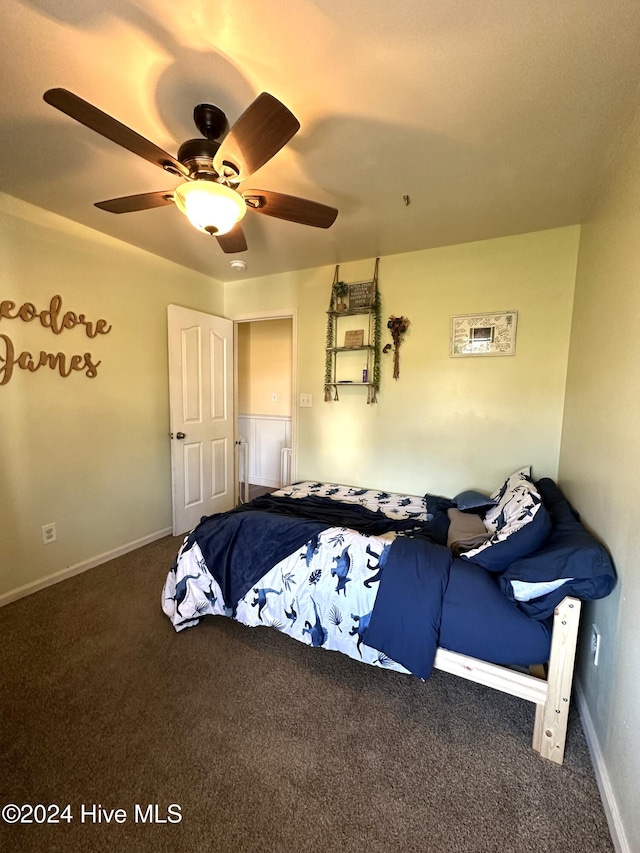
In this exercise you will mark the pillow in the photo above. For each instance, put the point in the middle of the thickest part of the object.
(472, 501)
(571, 562)
(508, 498)
(519, 524)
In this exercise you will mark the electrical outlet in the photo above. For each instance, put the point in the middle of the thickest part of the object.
(595, 644)
(48, 533)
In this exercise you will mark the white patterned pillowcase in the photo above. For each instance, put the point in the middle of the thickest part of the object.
(519, 524)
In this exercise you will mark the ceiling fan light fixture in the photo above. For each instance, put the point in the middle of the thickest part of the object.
(210, 207)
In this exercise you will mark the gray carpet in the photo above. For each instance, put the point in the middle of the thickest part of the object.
(264, 743)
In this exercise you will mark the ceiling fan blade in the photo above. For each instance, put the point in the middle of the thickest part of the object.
(290, 207)
(131, 203)
(260, 132)
(112, 129)
(233, 241)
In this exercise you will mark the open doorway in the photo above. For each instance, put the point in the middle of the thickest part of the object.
(264, 364)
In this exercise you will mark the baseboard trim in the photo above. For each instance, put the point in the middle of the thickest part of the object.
(70, 571)
(611, 811)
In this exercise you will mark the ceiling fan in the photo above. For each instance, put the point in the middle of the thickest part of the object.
(211, 167)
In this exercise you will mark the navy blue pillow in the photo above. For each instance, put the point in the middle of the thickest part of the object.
(527, 539)
(571, 552)
(467, 501)
(517, 524)
(472, 501)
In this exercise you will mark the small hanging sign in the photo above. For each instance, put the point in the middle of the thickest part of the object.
(361, 294)
(354, 338)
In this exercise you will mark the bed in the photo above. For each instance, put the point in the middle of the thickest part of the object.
(487, 587)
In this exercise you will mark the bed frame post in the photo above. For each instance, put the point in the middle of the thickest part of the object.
(550, 729)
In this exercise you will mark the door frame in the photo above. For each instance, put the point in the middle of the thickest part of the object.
(257, 316)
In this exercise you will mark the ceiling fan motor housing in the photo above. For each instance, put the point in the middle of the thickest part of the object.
(197, 155)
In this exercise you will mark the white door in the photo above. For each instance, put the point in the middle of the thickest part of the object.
(201, 408)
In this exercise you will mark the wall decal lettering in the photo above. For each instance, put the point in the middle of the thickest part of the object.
(51, 318)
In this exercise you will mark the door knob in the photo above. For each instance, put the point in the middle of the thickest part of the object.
(180, 435)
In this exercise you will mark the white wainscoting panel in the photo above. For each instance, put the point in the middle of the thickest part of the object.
(266, 435)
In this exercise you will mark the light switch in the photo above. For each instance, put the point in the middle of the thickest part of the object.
(305, 400)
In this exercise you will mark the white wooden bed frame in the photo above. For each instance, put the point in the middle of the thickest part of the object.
(551, 694)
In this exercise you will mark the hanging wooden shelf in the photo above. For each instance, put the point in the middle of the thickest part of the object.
(347, 383)
(359, 292)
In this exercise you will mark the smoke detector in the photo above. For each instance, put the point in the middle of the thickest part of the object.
(238, 265)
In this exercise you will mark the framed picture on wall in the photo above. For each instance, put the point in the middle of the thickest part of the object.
(483, 334)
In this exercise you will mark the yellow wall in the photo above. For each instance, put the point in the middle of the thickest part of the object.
(599, 462)
(265, 367)
(90, 454)
(446, 424)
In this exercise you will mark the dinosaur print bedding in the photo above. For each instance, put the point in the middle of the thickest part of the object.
(358, 571)
(319, 582)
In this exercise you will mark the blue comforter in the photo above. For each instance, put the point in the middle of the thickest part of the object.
(405, 622)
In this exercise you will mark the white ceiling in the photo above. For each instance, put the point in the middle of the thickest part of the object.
(494, 116)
